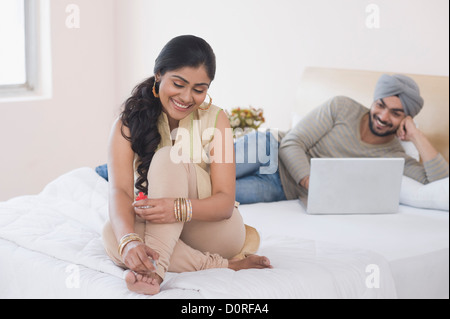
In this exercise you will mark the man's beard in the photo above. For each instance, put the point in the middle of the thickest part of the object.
(374, 132)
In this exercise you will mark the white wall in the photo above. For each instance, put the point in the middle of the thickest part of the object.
(262, 47)
(43, 139)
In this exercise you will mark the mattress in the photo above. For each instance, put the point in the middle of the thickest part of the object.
(50, 247)
(414, 242)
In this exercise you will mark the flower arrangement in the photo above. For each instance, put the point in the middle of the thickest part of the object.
(245, 120)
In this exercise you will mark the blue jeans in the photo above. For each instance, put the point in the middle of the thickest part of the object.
(257, 174)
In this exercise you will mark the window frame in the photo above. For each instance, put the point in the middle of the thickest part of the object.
(37, 44)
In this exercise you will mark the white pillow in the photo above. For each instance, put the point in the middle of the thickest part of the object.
(411, 150)
(431, 196)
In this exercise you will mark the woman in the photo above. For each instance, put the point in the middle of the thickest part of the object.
(189, 221)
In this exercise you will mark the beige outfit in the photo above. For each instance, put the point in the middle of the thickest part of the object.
(193, 246)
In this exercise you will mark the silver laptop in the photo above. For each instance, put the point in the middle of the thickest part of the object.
(354, 186)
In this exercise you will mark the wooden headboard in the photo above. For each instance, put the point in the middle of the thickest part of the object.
(320, 84)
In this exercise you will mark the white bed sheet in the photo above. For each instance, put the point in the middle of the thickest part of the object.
(415, 242)
(44, 238)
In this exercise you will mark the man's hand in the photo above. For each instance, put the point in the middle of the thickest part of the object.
(407, 130)
(305, 182)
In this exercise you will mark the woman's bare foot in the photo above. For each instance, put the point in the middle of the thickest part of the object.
(252, 261)
(144, 285)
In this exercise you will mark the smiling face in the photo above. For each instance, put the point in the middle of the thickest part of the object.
(182, 91)
(385, 116)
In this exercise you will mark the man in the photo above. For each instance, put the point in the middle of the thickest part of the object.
(344, 128)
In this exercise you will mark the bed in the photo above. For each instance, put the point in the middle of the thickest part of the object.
(50, 247)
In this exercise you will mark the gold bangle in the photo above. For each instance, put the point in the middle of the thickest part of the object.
(125, 240)
(127, 236)
(176, 208)
(189, 210)
(125, 243)
(182, 210)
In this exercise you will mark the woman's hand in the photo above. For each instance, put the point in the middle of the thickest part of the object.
(137, 257)
(157, 211)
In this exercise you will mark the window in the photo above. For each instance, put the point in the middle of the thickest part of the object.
(24, 48)
(12, 35)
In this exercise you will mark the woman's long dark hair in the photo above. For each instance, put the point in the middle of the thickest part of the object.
(142, 109)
